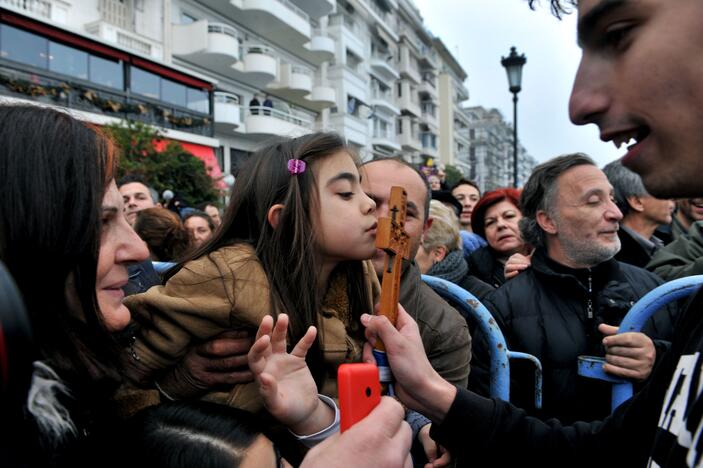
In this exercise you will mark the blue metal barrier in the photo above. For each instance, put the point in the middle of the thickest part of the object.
(163, 267)
(592, 366)
(499, 354)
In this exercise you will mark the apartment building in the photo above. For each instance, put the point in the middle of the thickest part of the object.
(201, 70)
(490, 149)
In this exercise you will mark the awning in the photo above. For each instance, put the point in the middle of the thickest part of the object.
(205, 153)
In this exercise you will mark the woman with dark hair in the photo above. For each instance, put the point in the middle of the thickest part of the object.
(200, 226)
(65, 240)
(163, 232)
(495, 218)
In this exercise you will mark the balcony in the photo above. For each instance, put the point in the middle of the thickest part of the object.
(259, 64)
(408, 101)
(408, 65)
(429, 114)
(350, 32)
(386, 20)
(322, 46)
(428, 57)
(409, 137)
(266, 121)
(294, 82)
(383, 65)
(383, 99)
(385, 139)
(214, 46)
(280, 21)
(323, 95)
(429, 144)
(227, 112)
(101, 101)
(428, 85)
(315, 8)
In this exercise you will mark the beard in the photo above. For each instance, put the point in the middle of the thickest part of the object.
(588, 252)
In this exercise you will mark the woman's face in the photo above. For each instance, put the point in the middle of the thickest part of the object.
(501, 228)
(119, 247)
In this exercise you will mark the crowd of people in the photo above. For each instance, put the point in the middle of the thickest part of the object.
(230, 357)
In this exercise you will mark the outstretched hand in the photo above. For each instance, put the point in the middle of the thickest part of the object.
(516, 263)
(285, 382)
(630, 355)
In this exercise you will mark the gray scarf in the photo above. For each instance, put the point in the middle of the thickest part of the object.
(453, 268)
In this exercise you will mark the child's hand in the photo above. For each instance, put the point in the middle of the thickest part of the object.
(285, 382)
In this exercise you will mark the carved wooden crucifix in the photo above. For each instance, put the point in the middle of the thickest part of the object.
(392, 238)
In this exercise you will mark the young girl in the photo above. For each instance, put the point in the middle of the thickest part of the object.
(293, 240)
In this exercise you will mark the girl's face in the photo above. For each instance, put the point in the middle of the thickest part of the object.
(501, 226)
(346, 225)
(119, 247)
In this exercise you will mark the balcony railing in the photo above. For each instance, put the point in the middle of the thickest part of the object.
(290, 117)
(378, 93)
(222, 29)
(345, 20)
(75, 94)
(297, 69)
(259, 49)
(36, 7)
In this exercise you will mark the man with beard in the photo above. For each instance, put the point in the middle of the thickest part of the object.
(574, 294)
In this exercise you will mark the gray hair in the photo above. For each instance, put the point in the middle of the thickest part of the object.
(540, 193)
(625, 184)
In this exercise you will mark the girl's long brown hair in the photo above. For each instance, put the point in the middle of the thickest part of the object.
(287, 253)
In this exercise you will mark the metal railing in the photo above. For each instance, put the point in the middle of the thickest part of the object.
(221, 28)
(37, 7)
(259, 49)
(90, 97)
(378, 93)
(279, 114)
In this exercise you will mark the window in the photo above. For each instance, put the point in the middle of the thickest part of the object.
(67, 60)
(399, 85)
(106, 72)
(173, 92)
(198, 100)
(472, 134)
(145, 83)
(23, 46)
(399, 126)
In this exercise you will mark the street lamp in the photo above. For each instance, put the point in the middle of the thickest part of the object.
(513, 66)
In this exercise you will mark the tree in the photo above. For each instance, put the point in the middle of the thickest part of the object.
(452, 175)
(170, 167)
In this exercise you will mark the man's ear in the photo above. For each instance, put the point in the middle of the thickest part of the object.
(635, 203)
(546, 222)
(274, 214)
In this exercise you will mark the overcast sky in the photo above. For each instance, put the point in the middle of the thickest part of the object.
(480, 32)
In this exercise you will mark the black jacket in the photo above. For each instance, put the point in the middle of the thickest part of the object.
(544, 312)
(484, 265)
(633, 251)
(662, 422)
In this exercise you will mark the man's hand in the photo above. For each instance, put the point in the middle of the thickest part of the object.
(437, 456)
(418, 385)
(285, 382)
(380, 439)
(630, 355)
(220, 362)
(516, 263)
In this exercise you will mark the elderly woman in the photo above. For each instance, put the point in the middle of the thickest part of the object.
(495, 218)
(440, 253)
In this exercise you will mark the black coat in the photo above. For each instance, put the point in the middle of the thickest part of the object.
(632, 251)
(543, 312)
(484, 265)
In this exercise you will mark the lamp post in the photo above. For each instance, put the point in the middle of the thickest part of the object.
(513, 64)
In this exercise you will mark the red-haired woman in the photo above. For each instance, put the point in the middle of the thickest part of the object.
(495, 218)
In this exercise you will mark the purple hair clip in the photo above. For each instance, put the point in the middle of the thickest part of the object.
(296, 166)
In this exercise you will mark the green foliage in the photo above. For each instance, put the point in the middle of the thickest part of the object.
(172, 168)
(452, 175)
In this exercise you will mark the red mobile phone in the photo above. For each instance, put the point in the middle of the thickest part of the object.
(359, 392)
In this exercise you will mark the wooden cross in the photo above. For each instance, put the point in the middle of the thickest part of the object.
(392, 238)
